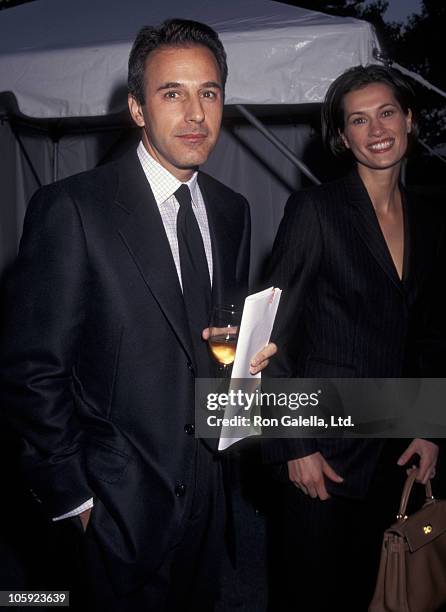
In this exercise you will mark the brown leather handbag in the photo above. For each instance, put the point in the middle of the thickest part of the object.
(412, 569)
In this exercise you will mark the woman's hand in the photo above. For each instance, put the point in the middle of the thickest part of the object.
(428, 453)
(309, 473)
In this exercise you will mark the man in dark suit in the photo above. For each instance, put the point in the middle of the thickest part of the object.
(102, 339)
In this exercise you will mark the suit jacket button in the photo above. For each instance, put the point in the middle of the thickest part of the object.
(189, 428)
(190, 366)
(180, 490)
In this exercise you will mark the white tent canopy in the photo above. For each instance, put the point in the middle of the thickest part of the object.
(64, 63)
(64, 58)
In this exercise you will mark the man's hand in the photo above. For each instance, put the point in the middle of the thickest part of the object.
(308, 474)
(259, 361)
(216, 331)
(428, 453)
(85, 517)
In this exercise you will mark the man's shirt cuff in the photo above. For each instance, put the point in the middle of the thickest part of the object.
(85, 506)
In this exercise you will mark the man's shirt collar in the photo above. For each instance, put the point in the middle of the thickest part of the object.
(162, 182)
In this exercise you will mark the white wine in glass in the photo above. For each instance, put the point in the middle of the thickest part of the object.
(224, 327)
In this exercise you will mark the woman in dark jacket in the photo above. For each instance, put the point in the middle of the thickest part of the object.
(356, 259)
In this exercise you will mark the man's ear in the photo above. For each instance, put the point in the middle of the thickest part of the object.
(135, 109)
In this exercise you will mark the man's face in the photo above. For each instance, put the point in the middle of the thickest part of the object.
(183, 107)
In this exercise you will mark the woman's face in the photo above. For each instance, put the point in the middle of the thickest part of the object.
(375, 126)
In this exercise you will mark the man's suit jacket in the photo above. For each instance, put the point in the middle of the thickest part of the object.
(97, 365)
(344, 311)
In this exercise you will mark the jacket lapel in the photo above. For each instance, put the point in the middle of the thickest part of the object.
(223, 278)
(367, 225)
(145, 238)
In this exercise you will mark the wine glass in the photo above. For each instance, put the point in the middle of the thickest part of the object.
(224, 327)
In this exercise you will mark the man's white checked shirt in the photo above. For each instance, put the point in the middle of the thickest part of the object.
(164, 185)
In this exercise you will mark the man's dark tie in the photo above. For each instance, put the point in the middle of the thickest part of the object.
(194, 277)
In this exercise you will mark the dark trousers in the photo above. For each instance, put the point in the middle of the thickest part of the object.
(325, 554)
(188, 576)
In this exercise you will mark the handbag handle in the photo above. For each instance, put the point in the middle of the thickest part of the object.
(406, 494)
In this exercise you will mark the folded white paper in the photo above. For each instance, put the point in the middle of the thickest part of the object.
(259, 313)
(257, 323)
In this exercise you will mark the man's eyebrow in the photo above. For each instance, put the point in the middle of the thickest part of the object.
(169, 85)
(175, 85)
(213, 84)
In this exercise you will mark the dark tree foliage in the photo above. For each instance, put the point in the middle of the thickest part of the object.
(344, 8)
(421, 49)
(4, 4)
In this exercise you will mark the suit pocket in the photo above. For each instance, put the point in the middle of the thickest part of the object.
(105, 462)
(324, 368)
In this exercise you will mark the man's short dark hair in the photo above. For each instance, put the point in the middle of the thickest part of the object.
(351, 80)
(171, 33)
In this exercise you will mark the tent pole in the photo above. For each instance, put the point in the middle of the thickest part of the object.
(277, 143)
(24, 152)
(55, 159)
